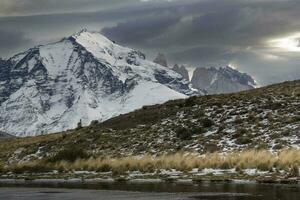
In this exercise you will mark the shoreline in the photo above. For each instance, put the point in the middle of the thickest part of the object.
(250, 176)
(101, 184)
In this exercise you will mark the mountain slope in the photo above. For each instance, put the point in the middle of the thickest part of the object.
(85, 77)
(265, 118)
(222, 80)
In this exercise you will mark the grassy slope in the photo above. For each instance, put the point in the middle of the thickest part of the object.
(267, 118)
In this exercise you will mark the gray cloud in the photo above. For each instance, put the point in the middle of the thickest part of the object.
(142, 30)
(29, 7)
(11, 40)
(195, 32)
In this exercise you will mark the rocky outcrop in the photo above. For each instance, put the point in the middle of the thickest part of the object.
(222, 80)
(182, 71)
(161, 60)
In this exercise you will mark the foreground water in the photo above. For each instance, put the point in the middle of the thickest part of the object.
(157, 191)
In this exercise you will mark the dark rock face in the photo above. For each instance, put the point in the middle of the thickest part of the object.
(182, 71)
(4, 80)
(178, 84)
(161, 60)
(223, 80)
(237, 76)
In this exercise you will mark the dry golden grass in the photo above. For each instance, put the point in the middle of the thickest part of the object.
(263, 160)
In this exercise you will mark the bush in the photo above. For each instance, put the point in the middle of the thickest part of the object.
(79, 125)
(238, 120)
(243, 140)
(184, 133)
(1, 168)
(242, 131)
(196, 130)
(190, 102)
(207, 123)
(70, 154)
(94, 123)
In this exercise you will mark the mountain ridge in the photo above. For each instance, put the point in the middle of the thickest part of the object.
(84, 77)
(221, 80)
(212, 80)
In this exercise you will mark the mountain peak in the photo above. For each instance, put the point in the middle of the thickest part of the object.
(161, 60)
(82, 31)
(92, 36)
(85, 77)
(182, 71)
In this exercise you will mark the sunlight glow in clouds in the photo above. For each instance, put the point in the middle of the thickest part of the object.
(290, 43)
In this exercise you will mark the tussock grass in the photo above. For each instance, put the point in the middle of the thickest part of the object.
(288, 160)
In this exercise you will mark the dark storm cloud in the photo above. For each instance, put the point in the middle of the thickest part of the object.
(141, 30)
(195, 32)
(209, 56)
(29, 7)
(10, 40)
(213, 23)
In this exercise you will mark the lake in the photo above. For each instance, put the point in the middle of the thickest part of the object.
(152, 191)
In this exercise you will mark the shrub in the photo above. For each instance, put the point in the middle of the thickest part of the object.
(70, 154)
(243, 140)
(211, 148)
(184, 133)
(190, 102)
(221, 128)
(243, 131)
(207, 123)
(199, 114)
(94, 123)
(238, 120)
(79, 125)
(196, 130)
(1, 168)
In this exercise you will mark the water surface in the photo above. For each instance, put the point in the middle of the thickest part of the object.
(151, 191)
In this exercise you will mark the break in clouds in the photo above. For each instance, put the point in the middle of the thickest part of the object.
(260, 37)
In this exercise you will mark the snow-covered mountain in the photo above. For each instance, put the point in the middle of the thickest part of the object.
(222, 80)
(84, 77)
(212, 80)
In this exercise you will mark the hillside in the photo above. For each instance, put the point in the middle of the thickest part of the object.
(265, 118)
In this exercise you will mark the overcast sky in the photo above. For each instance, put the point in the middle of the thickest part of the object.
(260, 37)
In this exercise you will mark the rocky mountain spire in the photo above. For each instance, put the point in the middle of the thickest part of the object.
(161, 60)
(182, 71)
